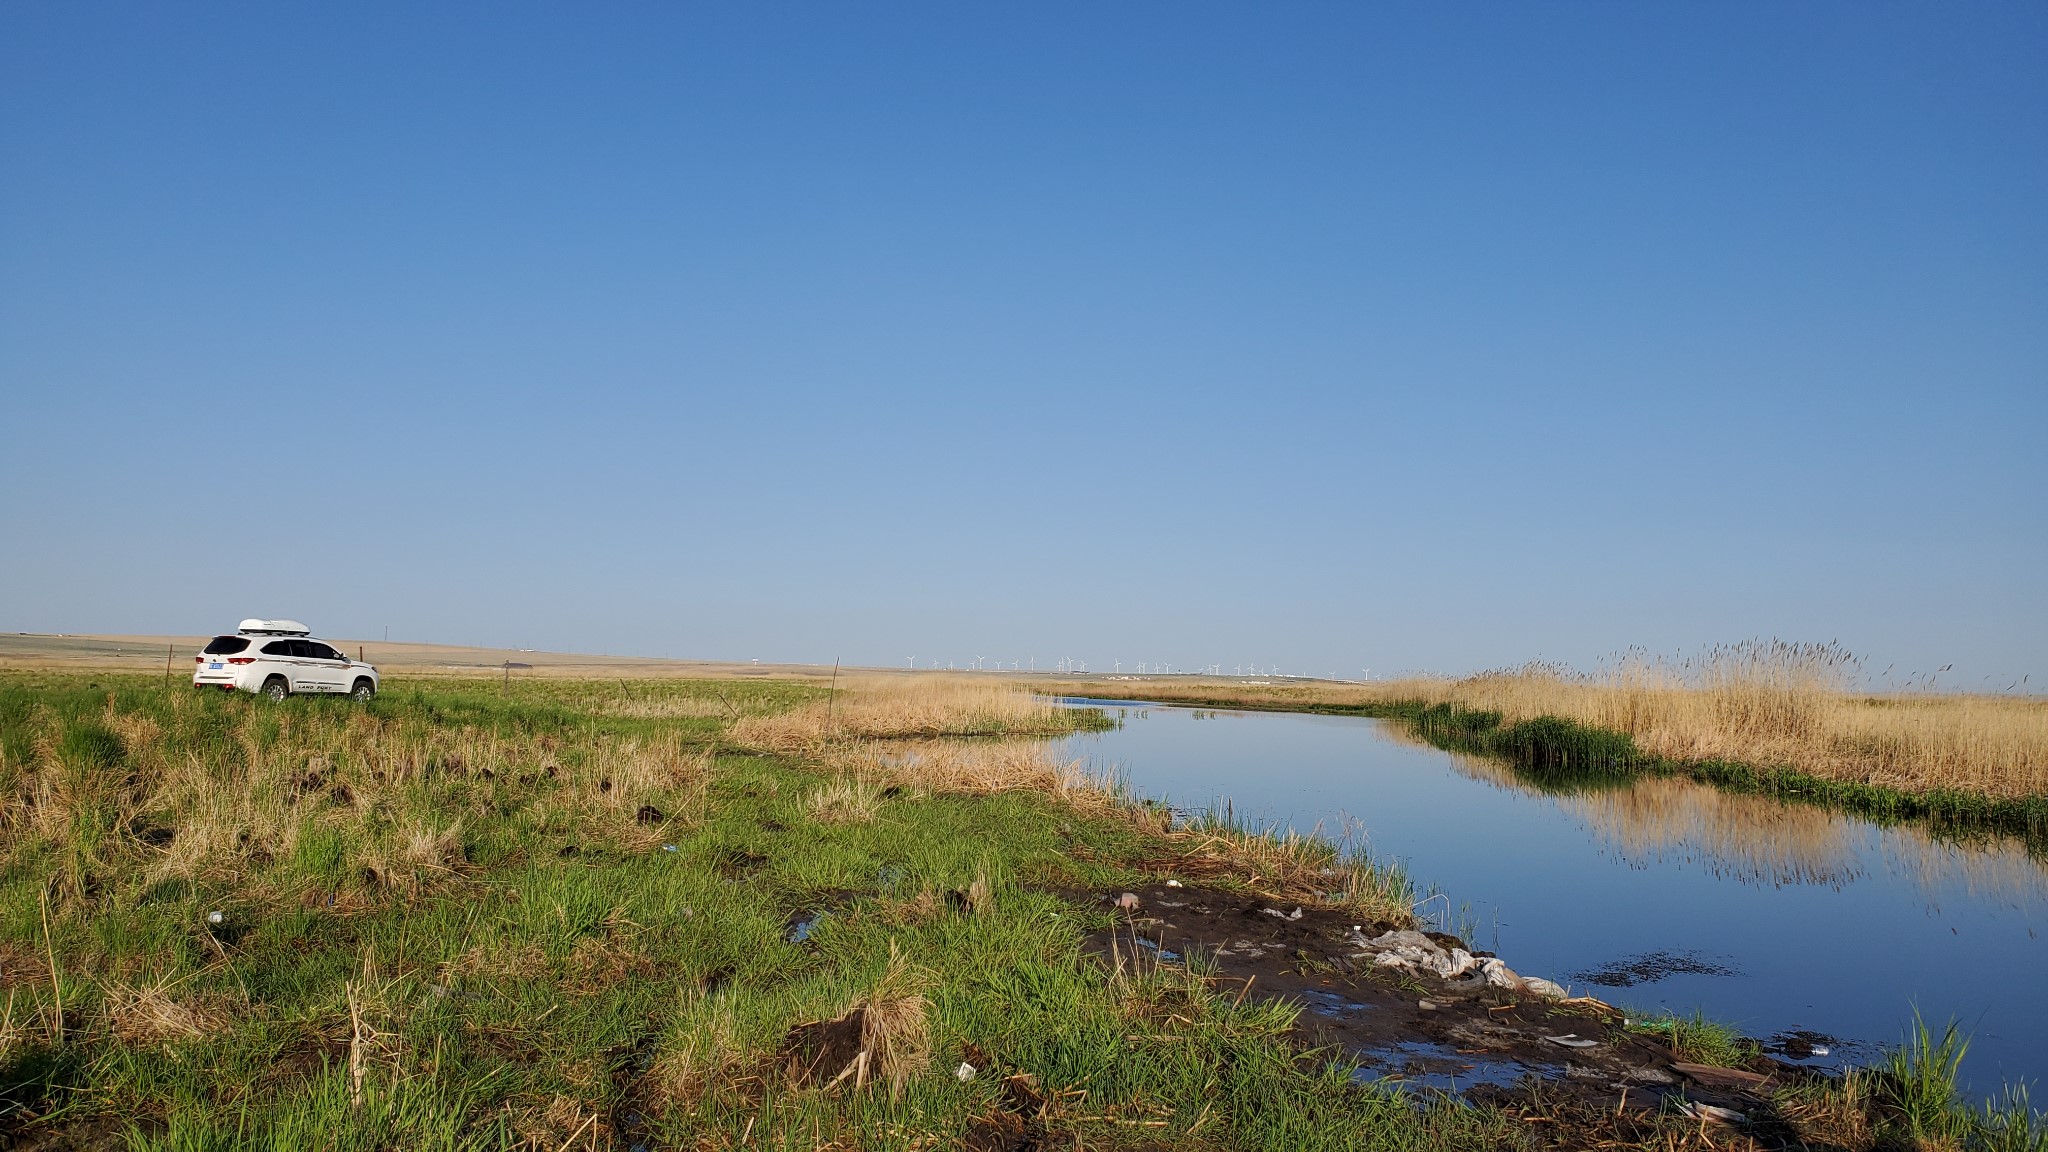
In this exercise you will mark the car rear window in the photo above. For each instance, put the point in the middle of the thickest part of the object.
(226, 645)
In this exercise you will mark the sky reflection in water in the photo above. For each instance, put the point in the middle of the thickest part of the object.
(1772, 916)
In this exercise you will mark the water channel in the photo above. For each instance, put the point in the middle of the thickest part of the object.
(1803, 927)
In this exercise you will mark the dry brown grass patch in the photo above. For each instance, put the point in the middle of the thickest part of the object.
(899, 708)
(420, 858)
(559, 1124)
(153, 1014)
(927, 905)
(1834, 1114)
(22, 964)
(973, 768)
(599, 963)
(498, 962)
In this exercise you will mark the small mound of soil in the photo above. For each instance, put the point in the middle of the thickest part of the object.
(1018, 1127)
(816, 1053)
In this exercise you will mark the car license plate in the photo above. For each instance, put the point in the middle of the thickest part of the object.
(214, 667)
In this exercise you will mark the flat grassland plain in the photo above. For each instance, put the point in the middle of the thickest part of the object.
(706, 912)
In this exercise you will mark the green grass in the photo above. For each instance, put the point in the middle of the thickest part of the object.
(1698, 1040)
(442, 926)
(1914, 1089)
(557, 914)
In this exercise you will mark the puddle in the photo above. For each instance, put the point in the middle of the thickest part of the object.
(1165, 955)
(806, 923)
(1422, 1064)
(1330, 1004)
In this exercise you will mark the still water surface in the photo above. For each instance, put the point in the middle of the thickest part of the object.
(1788, 921)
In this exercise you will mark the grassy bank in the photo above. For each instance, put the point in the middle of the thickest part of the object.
(1768, 718)
(602, 915)
(579, 916)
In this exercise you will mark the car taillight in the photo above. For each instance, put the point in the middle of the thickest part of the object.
(241, 659)
(199, 659)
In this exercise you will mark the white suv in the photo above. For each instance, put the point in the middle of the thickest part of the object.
(277, 658)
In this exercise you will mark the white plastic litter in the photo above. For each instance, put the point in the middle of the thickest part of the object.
(1416, 952)
(1498, 974)
(1712, 1112)
(964, 1072)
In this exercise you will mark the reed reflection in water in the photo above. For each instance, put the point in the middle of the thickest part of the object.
(1790, 917)
(1778, 842)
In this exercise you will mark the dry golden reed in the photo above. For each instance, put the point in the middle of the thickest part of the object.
(895, 1034)
(971, 768)
(1764, 703)
(899, 708)
(920, 734)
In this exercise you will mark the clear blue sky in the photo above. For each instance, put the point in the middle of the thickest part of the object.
(1329, 336)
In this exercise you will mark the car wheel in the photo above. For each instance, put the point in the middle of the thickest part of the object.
(276, 688)
(362, 691)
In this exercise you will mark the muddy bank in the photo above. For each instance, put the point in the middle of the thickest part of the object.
(1407, 1024)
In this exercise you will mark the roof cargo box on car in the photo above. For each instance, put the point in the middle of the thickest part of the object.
(253, 627)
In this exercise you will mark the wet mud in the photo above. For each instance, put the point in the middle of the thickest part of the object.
(1408, 1029)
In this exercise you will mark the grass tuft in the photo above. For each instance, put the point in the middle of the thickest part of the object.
(1697, 1040)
